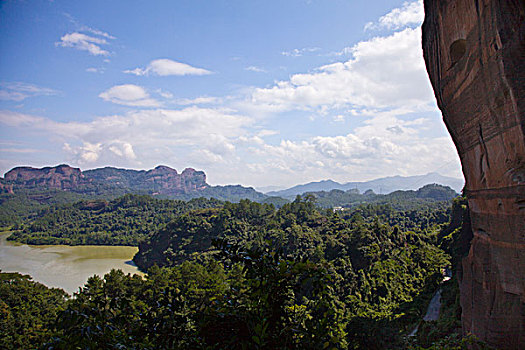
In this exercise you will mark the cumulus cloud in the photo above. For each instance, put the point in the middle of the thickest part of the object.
(129, 95)
(383, 72)
(411, 13)
(387, 145)
(18, 91)
(165, 67)
(84, 42)
(152, 136)
(85, 154)
(382, 83)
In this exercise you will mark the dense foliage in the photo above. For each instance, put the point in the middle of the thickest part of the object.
(28, 311)
(426, 195)
(123, 221)
(26, 204)
(248, 276)
(380, 273)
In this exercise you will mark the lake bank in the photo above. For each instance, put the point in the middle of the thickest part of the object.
(66, 267)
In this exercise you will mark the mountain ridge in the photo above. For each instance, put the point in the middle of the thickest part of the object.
(383, 185)
(161, 181)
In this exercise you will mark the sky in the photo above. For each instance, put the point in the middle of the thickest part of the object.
(258, 93)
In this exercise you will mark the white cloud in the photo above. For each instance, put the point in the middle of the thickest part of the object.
(84, 42)
(142, 136)
(97, 32)
(382, 84)
(85, 154)
(18, 91)
(83, 28)
(15, 119)
(299, 52)
(123, 149)
(384, 72)
(165, 67)
(339, 118)
(129, 95)
(19, 150)
(411, 13)
(255, 69)
(202, 100)
(266, 132)
(165, 94)
(386, 145)
(95, 70)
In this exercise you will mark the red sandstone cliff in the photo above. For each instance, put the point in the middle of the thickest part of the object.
(475, 56)
(61, 177)
(167, 181)
(161, 180)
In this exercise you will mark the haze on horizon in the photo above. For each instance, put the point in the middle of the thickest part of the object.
(258, 93)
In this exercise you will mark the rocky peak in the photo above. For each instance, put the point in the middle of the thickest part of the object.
(163, 169)
(162, 180)
(61, 177)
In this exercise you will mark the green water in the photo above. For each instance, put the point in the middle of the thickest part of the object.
(66, 267)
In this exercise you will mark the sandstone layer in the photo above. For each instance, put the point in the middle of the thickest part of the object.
(162, 180)
(474, 52)
(62, 177)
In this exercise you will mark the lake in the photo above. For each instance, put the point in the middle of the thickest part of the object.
(66, 267)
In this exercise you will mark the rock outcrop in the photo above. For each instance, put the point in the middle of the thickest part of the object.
(62, 177)
(475, 56)
(167, 181)
(162, 180)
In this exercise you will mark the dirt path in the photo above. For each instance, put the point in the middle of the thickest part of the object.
(433, 308)
(432, 311)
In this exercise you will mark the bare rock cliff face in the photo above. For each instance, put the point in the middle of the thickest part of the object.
(475, 56)
(62, 177)
(167, 181)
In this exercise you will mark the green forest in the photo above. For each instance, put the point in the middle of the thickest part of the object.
(248, 276)
(123, 221)
(59, 217)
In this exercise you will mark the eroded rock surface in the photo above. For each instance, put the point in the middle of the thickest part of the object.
(161, 180)
(61, 177)
(475, 56)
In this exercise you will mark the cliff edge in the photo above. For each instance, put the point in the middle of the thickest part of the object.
(475, 52)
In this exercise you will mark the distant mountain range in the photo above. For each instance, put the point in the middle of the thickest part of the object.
(162, 181)
(383, 185)
(166, 182)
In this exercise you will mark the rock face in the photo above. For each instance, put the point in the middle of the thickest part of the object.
(475, 56)
(62, 177)
(161, 180)
(167, 181)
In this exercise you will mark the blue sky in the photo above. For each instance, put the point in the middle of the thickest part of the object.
(252, 92)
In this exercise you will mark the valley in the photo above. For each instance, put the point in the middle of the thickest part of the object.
(355, 263)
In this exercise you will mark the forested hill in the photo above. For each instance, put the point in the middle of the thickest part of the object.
(398, 199)
(62, 217)
(383, 185)
(123, 221)
(248, 276)
(297, 228)
(379, 265)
